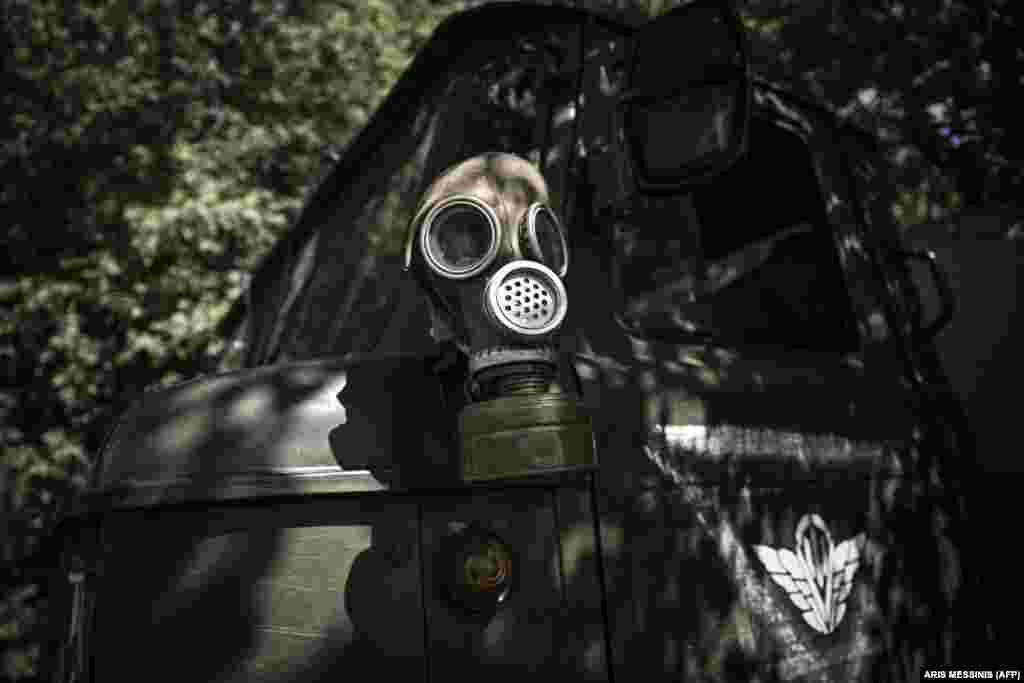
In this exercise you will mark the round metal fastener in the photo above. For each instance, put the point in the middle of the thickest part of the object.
(479, 569)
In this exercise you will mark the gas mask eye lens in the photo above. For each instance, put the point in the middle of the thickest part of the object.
(546, 239)
(460, 237)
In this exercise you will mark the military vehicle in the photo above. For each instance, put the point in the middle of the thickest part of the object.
(594, 357)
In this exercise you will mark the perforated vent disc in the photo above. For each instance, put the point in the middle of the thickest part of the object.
(527, 298)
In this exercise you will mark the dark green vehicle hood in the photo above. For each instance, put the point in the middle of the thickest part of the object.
(321, 426)
(376, 423)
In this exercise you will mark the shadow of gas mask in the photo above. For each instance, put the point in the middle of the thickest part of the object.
(490, 253)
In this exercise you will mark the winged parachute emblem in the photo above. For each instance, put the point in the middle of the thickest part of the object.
(818, 576)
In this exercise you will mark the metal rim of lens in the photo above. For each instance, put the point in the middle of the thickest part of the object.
(429, 223)
(530, 225)
(493, 294)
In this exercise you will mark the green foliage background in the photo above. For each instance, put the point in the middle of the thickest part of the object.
(153, 150)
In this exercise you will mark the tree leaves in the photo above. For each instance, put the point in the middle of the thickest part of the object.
(160, 148)
(924, 78)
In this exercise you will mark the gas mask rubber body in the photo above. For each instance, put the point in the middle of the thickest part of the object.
(490, 253)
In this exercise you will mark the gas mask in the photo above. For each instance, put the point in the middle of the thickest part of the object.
(490, 253)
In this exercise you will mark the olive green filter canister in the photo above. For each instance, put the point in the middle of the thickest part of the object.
(517, 436)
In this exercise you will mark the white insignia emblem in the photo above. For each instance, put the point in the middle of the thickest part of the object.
(819, 575)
